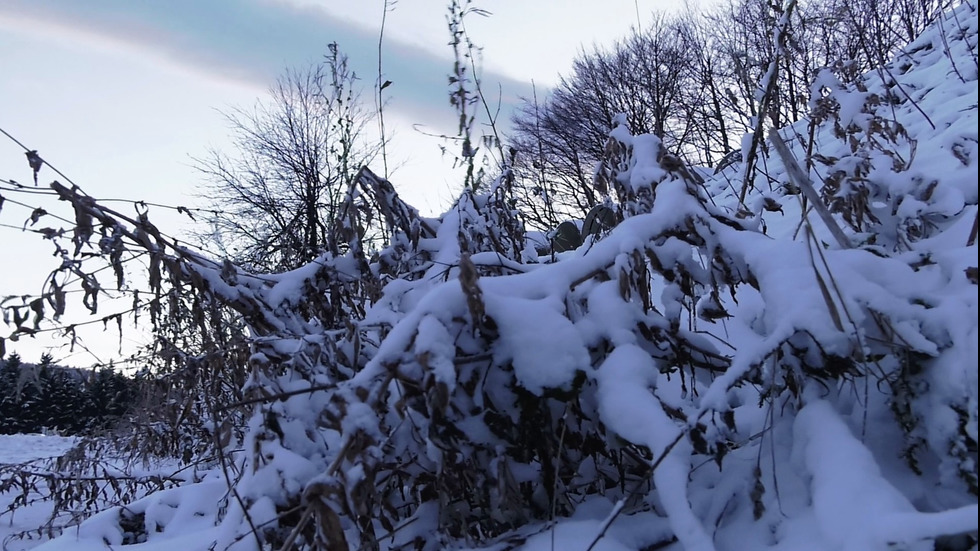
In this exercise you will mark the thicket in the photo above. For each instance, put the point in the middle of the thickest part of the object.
(692, 79)
(429, 382)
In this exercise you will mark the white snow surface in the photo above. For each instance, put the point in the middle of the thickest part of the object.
(16, 449)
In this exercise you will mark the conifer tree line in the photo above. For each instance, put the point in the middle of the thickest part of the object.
(44, 397)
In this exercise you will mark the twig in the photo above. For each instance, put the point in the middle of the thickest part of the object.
(800, 179)
(277, 396)
(303, 521)
(554, 490)
(381, 86)
(973, 233)
(769, 90)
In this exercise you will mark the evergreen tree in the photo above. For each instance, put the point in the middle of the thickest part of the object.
(108, 397)
(35, 398)
(29, 406)
(62, 399)
(9, 407)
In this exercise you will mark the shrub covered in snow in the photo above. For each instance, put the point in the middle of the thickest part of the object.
(711, 373)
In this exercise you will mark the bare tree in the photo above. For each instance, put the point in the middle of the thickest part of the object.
(274, 200)
(849, 36)
(643, 76)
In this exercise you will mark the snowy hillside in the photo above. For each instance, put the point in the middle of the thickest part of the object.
(711, 374)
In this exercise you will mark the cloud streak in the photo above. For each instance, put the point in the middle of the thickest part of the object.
(255, 40)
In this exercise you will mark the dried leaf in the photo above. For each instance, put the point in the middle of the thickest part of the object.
(91, 287)
(728, 417)
(50, 233)
(719, 455)
(229, 273)
(710, 308)
(758, 490)
(35, 161)
(772, 206)
(84, 227)
(35, 216)
(185, 210)
(56, 298)
(624, 285)
(469, 280)
(698, 440)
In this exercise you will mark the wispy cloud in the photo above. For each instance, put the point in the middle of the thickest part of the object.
(254, 40)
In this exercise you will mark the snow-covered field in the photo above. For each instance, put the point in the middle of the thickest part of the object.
(19, 531)
(16, 449)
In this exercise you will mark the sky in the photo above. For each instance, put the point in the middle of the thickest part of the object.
(121, 96)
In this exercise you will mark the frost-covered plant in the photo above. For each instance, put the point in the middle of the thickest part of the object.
(84, 481)
(881, 184)
(859, 185)
(874, 183)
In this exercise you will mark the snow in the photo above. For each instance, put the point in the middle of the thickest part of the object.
(16, 449)
(539, 363)
(434, 340)
(855, 507)
(624, 397)
(21, 448)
